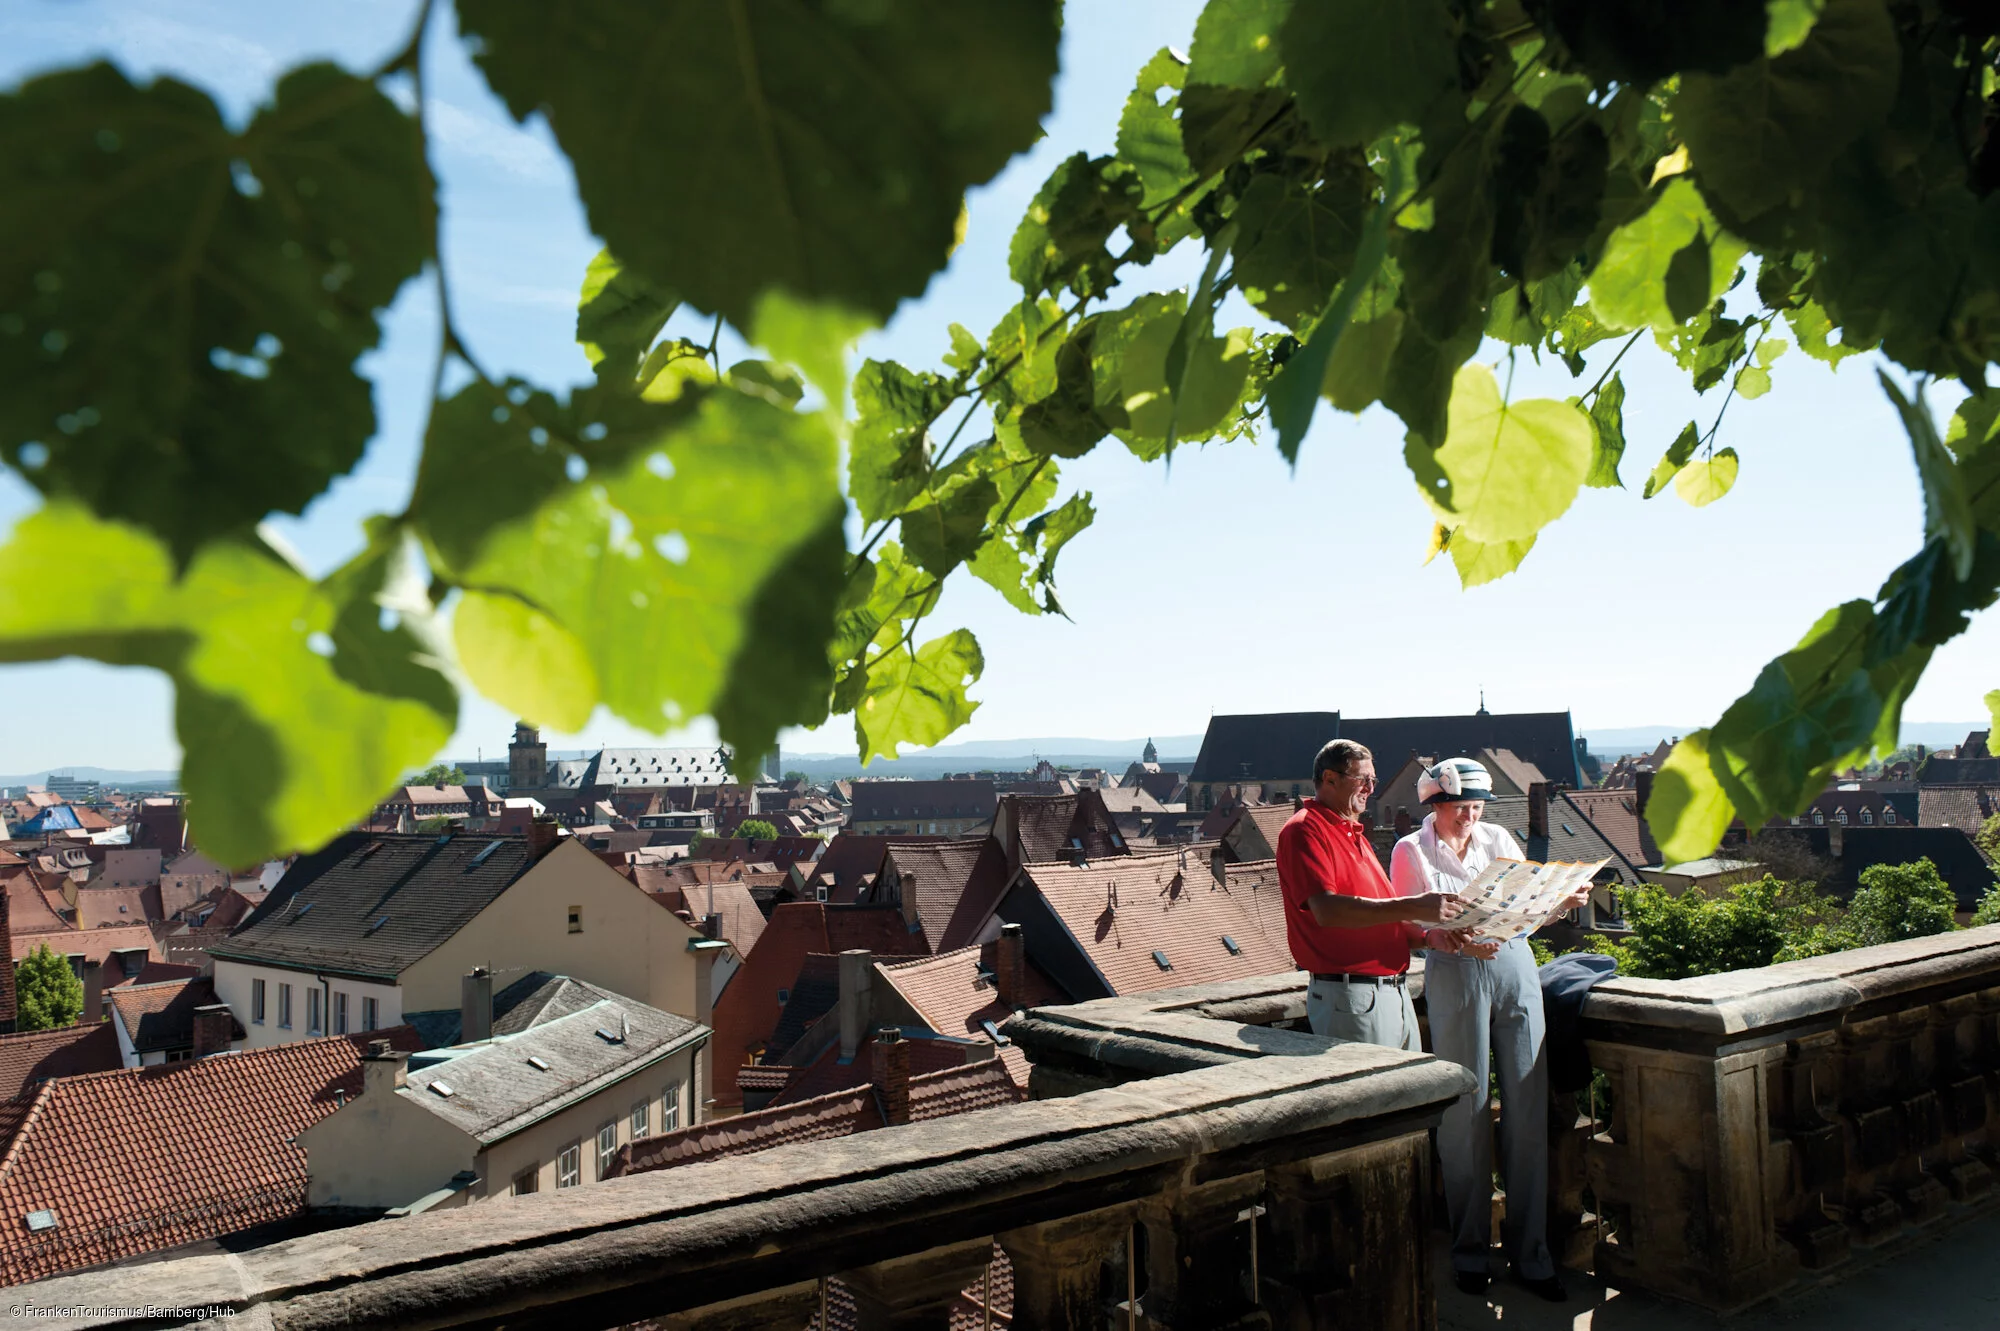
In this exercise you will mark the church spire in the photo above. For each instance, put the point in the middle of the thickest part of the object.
(1482, 701)
(1151, 755)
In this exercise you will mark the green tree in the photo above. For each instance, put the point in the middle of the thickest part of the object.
(440, 774)
(1988, 838)
(1989, 907)
(756, 829)
(796, 775)
(1397, 191)
(1898, 901)
(1675, 936)
(47, 992)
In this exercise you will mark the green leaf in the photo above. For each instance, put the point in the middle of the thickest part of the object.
(1753, 381)
(781, 675)
(1688, 811)
(1447, 267)
(1296, 240)
(1481, 562)
(1359, 67)
(1217, 369)
(1769, 127)
(1504, 470)
(815, 337)
(918, 699)
(181, 306)
(1705, 480)
(1001, 565)
(1947, 507)
(1973, 426)
(525, 661)
(1419, 384)
(1220, 124)
(1021, 350)
(838, 138)
(1628, 288)
(1060, 243)
(1676, 457)
(1149, 131)
(1235, 43)
(283, 749)
(879, 595)
(965, 350)
(1814, 329)
(1993, 710)
(618, 316)
(943, 533)
(1065, 424)
(1607, 420)
(889, 458)
(1051, 531)
(656, 557)
(1789, 23)
(1359, 367)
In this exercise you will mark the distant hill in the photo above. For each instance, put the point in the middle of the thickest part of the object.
(1618, 741)
(1114, 755)
(109, 776)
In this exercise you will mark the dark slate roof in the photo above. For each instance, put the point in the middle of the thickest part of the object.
(536, 997)
(1957, 860)
(1280, 746)
(372, 905)
(1572, 838)
(1959, 772)
(884, 801)
(1263, 745)
(1545, 739)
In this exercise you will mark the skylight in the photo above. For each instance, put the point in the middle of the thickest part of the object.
(41, 1220)
(441, 1088)
(301, 913)
(378, 924)
(482, 856)
(1568, 830)
(537, 1062)
(1160, 960)
(1235, 948)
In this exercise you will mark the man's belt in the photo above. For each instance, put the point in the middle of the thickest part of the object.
(1345, 977)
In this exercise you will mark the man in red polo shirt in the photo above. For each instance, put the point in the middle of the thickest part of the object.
(1345, 922)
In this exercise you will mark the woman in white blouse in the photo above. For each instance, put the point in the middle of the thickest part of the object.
(1485, 1007)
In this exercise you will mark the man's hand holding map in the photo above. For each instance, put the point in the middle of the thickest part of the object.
(1516, 897)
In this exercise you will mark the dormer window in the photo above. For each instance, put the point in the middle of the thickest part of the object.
(1819, 818)
(1889, 813)
(1840, 816)
(1868, 818)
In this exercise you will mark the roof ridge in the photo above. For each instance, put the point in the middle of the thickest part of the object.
(43, 1093)
(910, 963)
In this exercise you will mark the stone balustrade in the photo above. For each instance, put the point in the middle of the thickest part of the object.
(1765, 1124)
(1220, 1186)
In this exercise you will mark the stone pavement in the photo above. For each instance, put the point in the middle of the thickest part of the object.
(1947, 1283)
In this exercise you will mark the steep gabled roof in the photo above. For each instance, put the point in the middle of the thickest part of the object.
(1043, 829)
(957, 884)
(64, 1051)
(1122, 911)
(148, 1158)
(1615, 816)
(1545, 739)
(1572, 838)
(813, 994)
(1959, 772)
(161, 1016)
(1263, 746)
(373, 905)
(742, 922)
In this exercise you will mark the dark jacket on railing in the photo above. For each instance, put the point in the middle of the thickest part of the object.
(1566, 982)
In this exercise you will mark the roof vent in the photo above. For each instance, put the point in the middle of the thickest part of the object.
(38, 1221)
(378, 924)
(300, 914)
(609, 1037)
(1160, 960)
(441, 1088)
(1567, 829)
(993, 1033)
(1235, 948)
(535, 1062)
(445, 840)
(485, 854)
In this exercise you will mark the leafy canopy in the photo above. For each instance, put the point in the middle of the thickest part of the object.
(1401, 193)
(47, 992)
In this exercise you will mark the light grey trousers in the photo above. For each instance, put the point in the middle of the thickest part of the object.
(1487, 1016)
(1364, 1013)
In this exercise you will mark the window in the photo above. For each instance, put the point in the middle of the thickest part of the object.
(1868, 818)
(340, 1012)
(1840, 816)
(576, 919)
(607, 1148)
(285, 1006)
(1795, 820)
(312, 1011)
(369, 1015)
(1888, 813)
(256, 1002)
(642, 1120)
(527, 1181)
(569, 1168)
(670, 1107)
(1819, 817)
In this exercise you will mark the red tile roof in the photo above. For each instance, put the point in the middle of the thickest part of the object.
(951, 996)
(958, 883)
(784, 852)
(748, 1010)
(1122, 910)
(93, 945)
(1615, 815)
(161, 1016)
(826, 1074)
(1041, 827)
(97, 907)
(850, 856)
(742, 922)
(156, 972)
(109, 1153)
(65, 1051)
(29, 911)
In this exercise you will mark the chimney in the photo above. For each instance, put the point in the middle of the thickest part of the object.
(8, 1008)
(1010, 967)
(93, 991)
(1538, 810)
(892, 1075)
(214, 1028)
(906, 894)
(1836, 838)
(711, 923)
(542, 835)
(857, 968)
(1218, 864)
(1403, 824)
(475, 1006)
(1642, 782)
(384, 1071)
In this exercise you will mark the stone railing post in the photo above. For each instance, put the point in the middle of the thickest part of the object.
(1059, 1266)
(915, 1293)
(1199, 1240)
(1572, 1228)
(1349, 1241)
(784, 1309)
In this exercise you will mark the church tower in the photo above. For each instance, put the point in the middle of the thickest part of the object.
(527, 759)
(1151, 755)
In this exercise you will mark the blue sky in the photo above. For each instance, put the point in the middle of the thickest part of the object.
(1226, 583)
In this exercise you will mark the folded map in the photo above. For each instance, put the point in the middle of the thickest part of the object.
(1515, 897)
